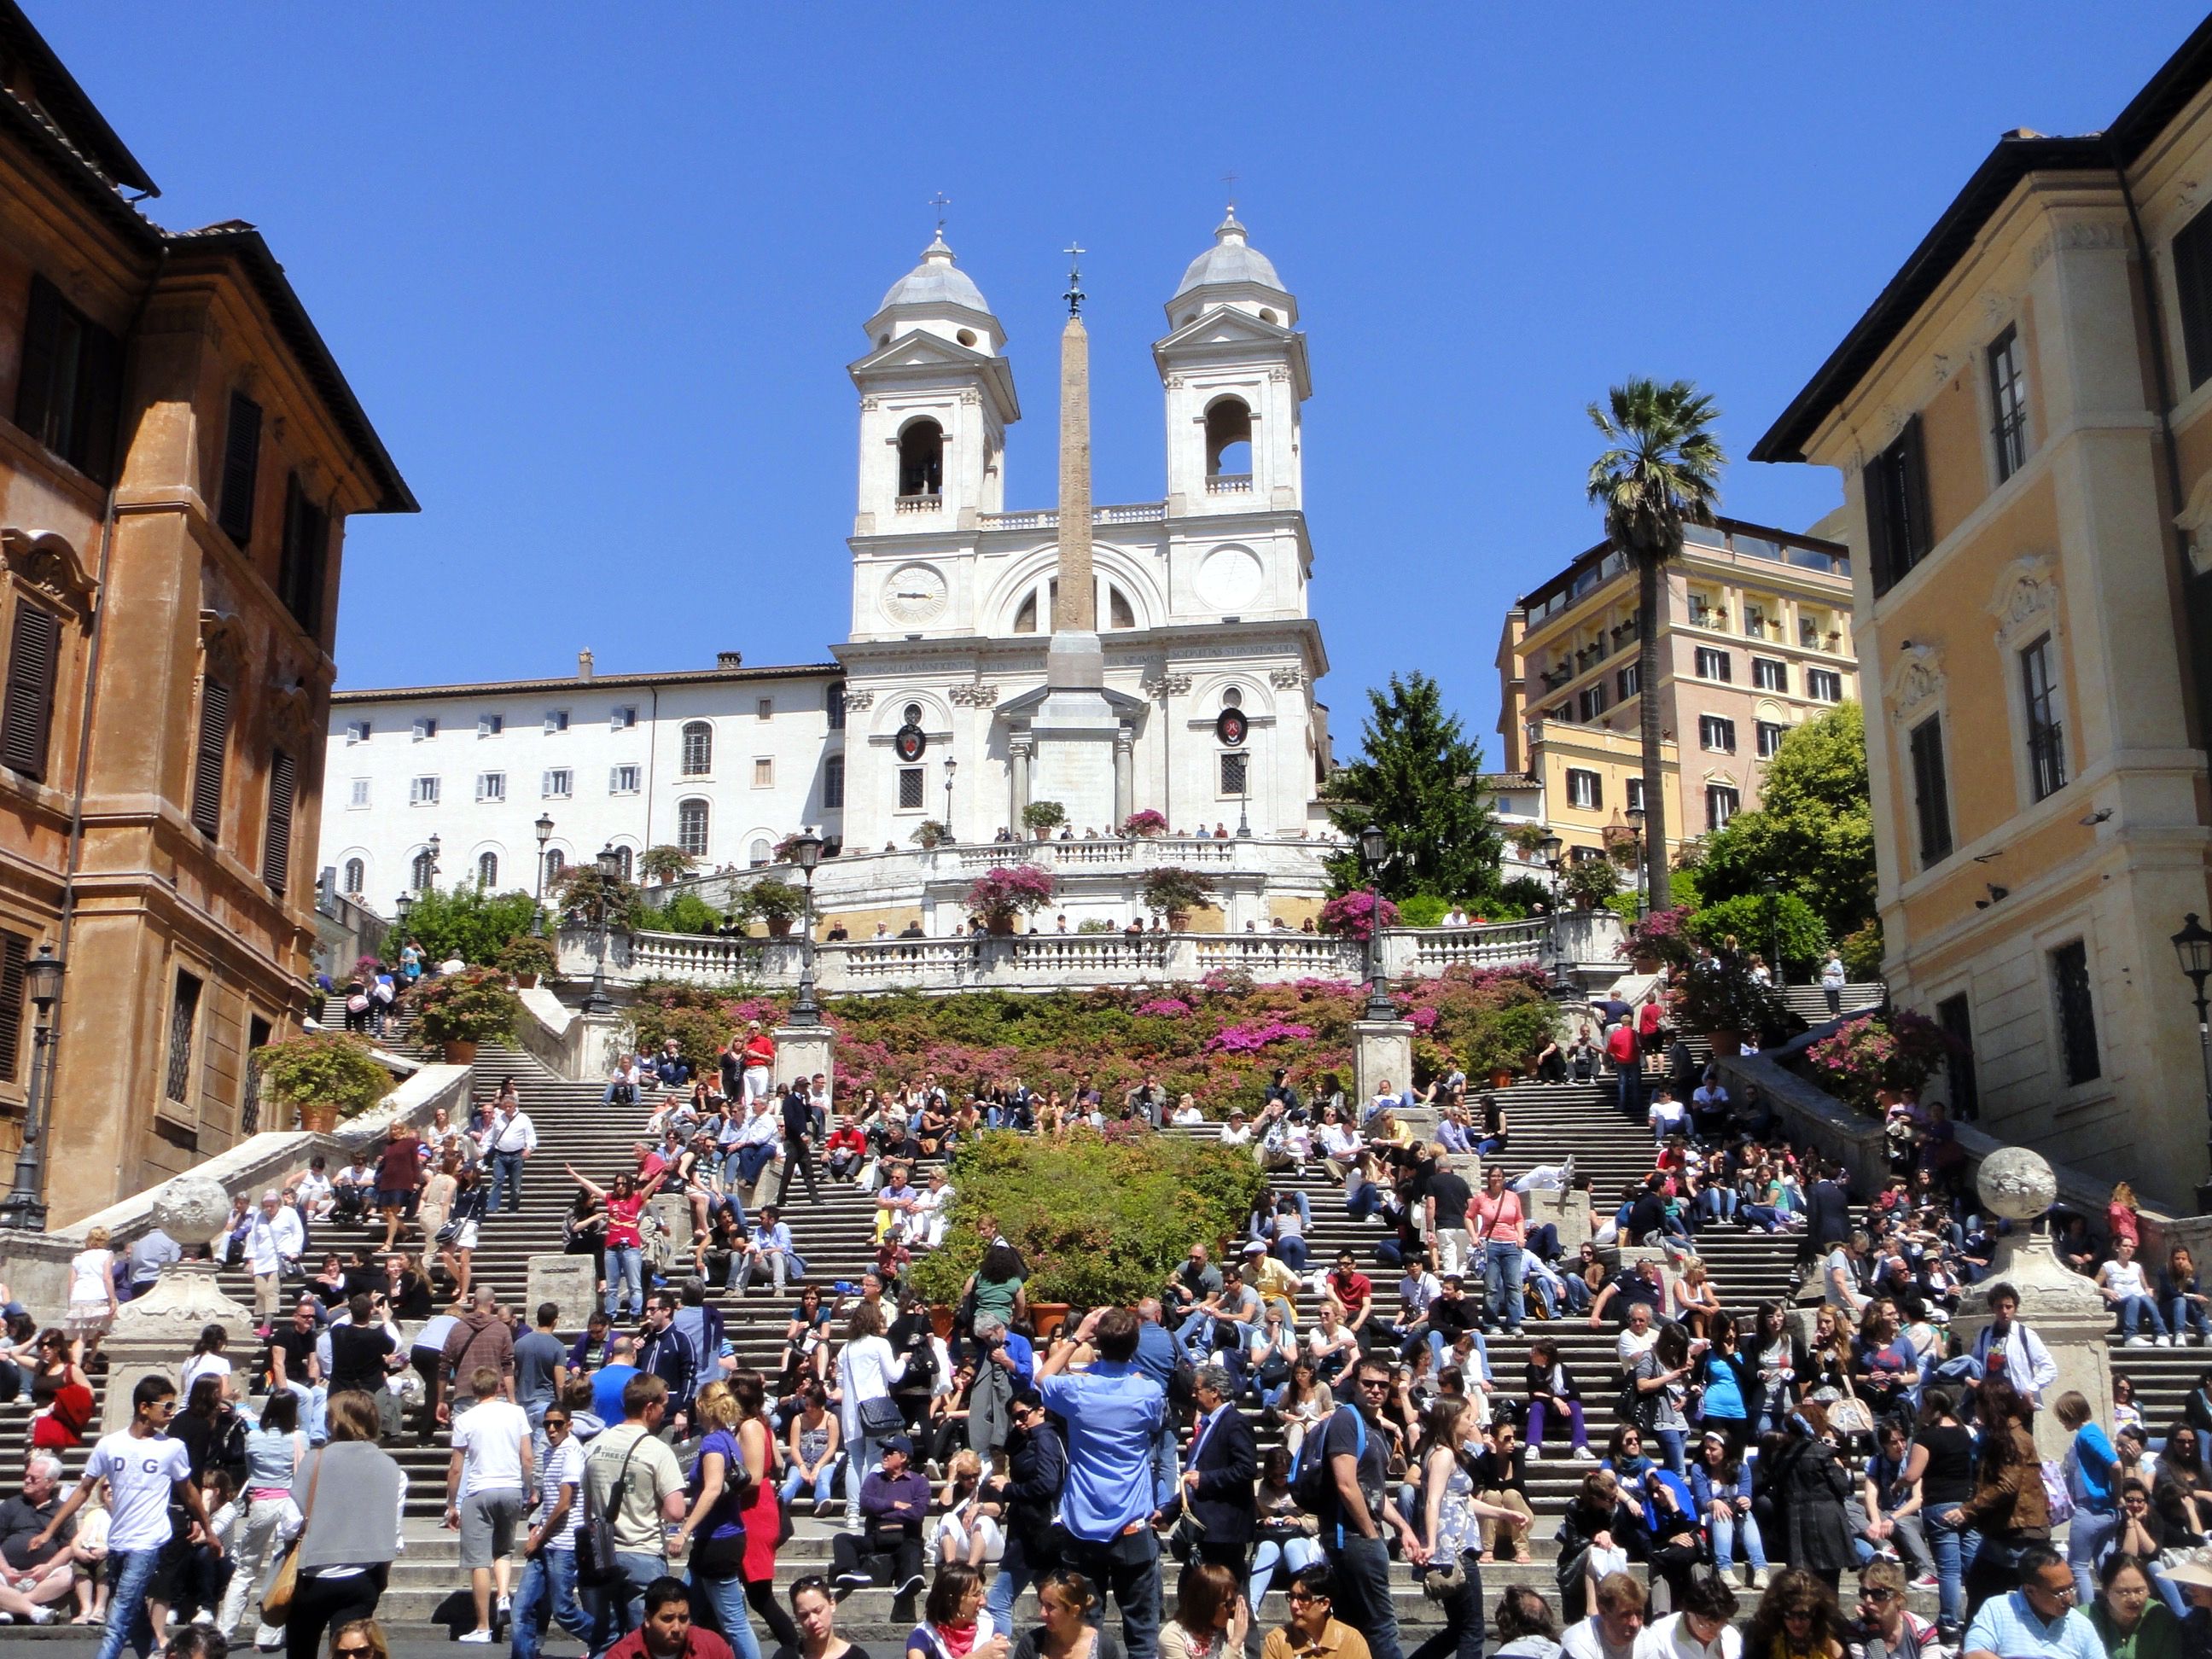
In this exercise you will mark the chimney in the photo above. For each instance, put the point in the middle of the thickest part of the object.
(729, 659)
(584, 664)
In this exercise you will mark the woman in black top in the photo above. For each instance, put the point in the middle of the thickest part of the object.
(1942, 1464)
(405, 1289)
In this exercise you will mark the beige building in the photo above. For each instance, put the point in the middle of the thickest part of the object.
(178, 457)
(1755, 637)
(2023, 421)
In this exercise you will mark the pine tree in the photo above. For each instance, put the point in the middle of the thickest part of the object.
(1416, 781)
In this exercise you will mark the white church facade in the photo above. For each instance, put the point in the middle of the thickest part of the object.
(933, 710)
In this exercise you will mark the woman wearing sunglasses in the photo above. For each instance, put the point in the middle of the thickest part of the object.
(360, 1638)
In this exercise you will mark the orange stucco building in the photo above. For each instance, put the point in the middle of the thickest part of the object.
(179, 454)
(2023, 421)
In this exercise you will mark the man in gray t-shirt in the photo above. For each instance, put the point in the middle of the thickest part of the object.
(540, 1367)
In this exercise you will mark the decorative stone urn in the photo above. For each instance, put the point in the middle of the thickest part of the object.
(154, 1333)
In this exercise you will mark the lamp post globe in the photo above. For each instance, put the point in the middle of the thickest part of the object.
(1374, 854)
(544, 829)
(2193, 945)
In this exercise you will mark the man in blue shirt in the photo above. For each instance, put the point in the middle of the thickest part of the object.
(2038, 1620)
(1158, 1356)
(1113, 1414)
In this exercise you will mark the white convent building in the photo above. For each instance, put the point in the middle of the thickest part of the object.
(1201, 605)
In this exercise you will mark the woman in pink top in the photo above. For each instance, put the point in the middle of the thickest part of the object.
(625, 1243)
(2120, 1219)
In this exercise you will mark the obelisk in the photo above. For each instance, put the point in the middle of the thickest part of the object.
(1075, 726)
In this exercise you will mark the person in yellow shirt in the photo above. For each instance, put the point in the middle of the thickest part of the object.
(1271, 1276)
(1314, 1631)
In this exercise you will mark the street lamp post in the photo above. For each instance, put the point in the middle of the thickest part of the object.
(2193, 944)
(1635, 816)
(805, 851)
(24, 1209)
(545, 828)
(401, 907)
(1374, 854)
(1772, 889)
(609, 867)
(950, 764)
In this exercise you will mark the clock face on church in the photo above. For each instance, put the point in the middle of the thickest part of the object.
(914, 595)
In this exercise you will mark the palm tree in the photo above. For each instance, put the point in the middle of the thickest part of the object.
(1662, 472)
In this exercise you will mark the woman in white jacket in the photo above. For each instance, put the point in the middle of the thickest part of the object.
(868, 1370)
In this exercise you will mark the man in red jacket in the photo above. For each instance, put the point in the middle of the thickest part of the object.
(755, 1059)
(1626, 1055)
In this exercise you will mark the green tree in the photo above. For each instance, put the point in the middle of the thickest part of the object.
(1812, 833)
(1415, 781)
(467, 922)
(1661, 471)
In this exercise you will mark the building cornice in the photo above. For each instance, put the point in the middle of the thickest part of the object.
(572, 685)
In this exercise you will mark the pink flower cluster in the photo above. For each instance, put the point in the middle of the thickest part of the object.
(1144, 822)
(1173, 1007)
(1249, 1039)
(1007, 889)
(1352, 916)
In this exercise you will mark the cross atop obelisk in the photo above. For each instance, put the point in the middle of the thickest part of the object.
(1075, 610)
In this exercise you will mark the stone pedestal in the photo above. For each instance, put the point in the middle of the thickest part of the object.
(1074, 732)
(566, 1281)
(803, 1050)
(1566, 1210)
(1382, 1050)
(604, 1038)
(152, 1334)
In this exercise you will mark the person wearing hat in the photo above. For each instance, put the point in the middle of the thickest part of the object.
(1274, 1279)
(894, 1504)
(2038, 1620)
(1239, 1132)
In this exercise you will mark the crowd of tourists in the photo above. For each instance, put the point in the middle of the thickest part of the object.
(1329, 1427)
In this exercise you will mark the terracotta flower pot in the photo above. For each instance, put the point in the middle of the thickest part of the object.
(526, 981)
(940, 1320)
(1002, 926)
(779, 926)
(1501, 1077)
(1178, 921)
(319, 1117)
(460, 1054)
(1047, 1317)
(1727, 1042)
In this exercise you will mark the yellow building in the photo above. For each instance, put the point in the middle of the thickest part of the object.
(1755, 637)
(2023, 420)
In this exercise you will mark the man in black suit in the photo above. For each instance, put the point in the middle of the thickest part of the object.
(1221, 1471)
(1827, 1214)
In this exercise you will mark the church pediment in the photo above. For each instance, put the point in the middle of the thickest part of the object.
(1226, 326)
(919, 350)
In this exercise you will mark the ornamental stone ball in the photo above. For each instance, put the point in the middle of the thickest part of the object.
(2017, 1183)
(191, 1208)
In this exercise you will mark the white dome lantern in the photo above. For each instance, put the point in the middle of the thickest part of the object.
(937, 297)
(1232, 272)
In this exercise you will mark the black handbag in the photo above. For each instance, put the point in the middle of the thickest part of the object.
(881, 1416)
(595, 1536)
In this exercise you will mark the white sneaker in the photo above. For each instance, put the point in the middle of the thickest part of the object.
(2165, 1341)
(1584, 1454)
(478, 1636)
(1535, 1454)
(2136, 1342)
(1762, 1579)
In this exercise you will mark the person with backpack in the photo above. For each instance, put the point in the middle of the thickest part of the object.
(632, 1485)
(1343, 1480)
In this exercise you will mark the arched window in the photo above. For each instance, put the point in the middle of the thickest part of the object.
(921, 459)
(832, 783)
(555, 864)
(691, 827)
(623, 862)
(833, 703)
(1228, 440)
(356, 877)
(487, 870)
(1118, 613)
(422, 870)
(760, 852)
(698, 749)
(1025, 616)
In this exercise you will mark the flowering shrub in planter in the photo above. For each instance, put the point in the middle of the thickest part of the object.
(1662, 937)
(1174, 891)
(1352, 916)
(999, 895)
(328, 1073)
(1144, 822)
(473, 1005)
(1043, 815)
(1724, 1000)
(1880, 1054)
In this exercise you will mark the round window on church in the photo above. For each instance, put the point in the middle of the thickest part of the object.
(1233, 697)
(966, 337)
(911, 715)
(1266, 315)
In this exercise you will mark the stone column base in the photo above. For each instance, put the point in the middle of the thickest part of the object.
(567, 1282)
(803, 1050)
(2065, 1311)
(154, 1334)
(1382, 1050)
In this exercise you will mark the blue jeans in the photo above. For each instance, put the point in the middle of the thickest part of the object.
(1953, 1548)
(618, 1607)
(1362, 1201)
(1291, 1554)
(2092, 1529)
(1503, 1271)
(727, 1597)
(1363, 1594)
(1292, 1251)
(549, 1578)
(1631, 1089)
(1725, 1530)
(1461, 1635)
(2131, 1312)
(1013, 1577)
(1717, 1203)
(2182, 1316)
(1166, 1473)
(824, 1484)
(625, 1278)
(505, 1178)
(752, 1158)
(1127, 1568)
(126, 1606)
(862, 1455)
(1670, 1442)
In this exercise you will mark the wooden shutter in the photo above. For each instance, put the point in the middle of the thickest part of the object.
(1913, 468)
(277, 836)
(207, 766)
(241, 469)
(26, 716)
(1874, 480)
(15, 952)
(34, 387)
(99, 404)
(2192, 282)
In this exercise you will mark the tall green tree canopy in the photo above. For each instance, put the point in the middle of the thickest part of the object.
(1415, 781)
(1660, 469)
(1812, 834)
(464, 922)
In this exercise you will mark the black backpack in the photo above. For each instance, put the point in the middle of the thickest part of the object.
(1313, 1485)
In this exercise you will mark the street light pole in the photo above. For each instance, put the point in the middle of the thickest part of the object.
(2193, 944)
(805, 851)
(1375, 853)
(24, 1209)
(1772, 889)
(610, 866)
(950, 763)
(1551, 846)
(1635, 815)
(545, 828)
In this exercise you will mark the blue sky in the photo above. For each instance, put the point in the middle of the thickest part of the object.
(595, 271)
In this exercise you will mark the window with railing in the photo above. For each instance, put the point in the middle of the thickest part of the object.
(2046, 742)
(184, 1013)
(2079, 1059)
(2008, 404)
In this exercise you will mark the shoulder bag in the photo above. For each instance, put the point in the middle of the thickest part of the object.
(1850, 1414)
(276, 1601)
(595, 1536)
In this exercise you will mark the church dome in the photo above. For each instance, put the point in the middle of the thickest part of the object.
(1231, 260)
(937, 282)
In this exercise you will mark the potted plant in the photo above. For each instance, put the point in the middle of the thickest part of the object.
(1175, 892)
(778, 903)
(459, 1011)
(1880, 1054)
(664, 864)
(1041, 817)
(1352, 916)
(1144, 823)
(529, 959)
(781, 852)
(328, 1075)
(1000, 894)
(1590, 882)
(1727, 1004)
(1661, 939)
(930, 833)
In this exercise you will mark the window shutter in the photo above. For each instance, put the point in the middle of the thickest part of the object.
(299, 569)
(99, 400)
(276, 839)
(241, 469)
(1919, 526)
(34, 387)
(27, 718)
(2193, 282)
(1873, 480)
(207, 766)
(15, 951)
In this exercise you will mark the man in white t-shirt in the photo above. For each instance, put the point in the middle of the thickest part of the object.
(1610, 1630)
(144, 1470)
(486, 1484)
(1667, 1114)
(2125, 1291)
(1839, 1276)
(548, 1566)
